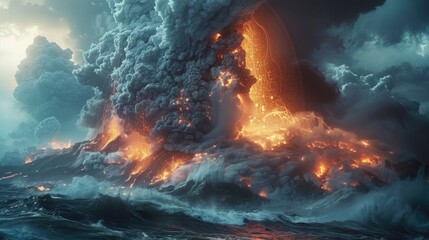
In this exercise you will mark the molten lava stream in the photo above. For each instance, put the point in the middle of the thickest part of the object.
(275, 92)
(274, 116)
(133, 146)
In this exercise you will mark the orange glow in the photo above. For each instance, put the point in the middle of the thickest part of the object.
(112, 130)
(167, 172)
(370, 160)
(199, 157)
(28, 160)
(226, 79)
(321, 170)
(365, 143)
(216, 37)
(60, 145)
(136, 147)
(269, 122)
(263, 194)
(269, 118)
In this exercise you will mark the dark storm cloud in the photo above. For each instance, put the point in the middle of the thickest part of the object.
(378, 107)
(307, 20)
(317, 91)
(391, 21)
(411, 83)
(87, 20)
(46, 86)
(377, 54)
(394, 33)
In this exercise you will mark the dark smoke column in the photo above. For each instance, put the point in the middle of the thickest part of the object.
(161, 64)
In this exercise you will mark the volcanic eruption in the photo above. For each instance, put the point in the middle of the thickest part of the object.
(203, 101)
(237, 101)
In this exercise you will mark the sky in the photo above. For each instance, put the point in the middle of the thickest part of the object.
(376, 53)
(357, 45)
(22, 20)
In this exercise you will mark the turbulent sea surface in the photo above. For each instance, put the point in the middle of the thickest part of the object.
(40, 202)
(31, 213)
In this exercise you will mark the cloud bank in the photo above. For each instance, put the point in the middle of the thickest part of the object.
(48, 91)
(380, 63)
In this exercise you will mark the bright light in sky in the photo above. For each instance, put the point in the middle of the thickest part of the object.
(13, 45)
(12, 51)
(73, 24)
(4, 3)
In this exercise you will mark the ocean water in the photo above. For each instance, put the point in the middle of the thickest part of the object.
(54, 198)
(25, 214)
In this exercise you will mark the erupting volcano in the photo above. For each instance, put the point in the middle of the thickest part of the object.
(255, 108)
(202, 111)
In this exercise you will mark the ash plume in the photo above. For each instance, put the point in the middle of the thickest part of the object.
(173, 111)
(159, 62)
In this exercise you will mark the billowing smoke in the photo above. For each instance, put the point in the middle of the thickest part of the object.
(48, 91)
(47, 130)
(381, 69)
(160, 70)
(174, 71)
(160, 63)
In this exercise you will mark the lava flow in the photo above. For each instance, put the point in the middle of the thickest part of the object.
(270, 108)
(267, 90)
(274, 121)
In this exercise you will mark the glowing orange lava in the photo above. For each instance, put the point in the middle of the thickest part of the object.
(269, 118)
(136, 146)
(263, 194)
(216, 37)
(168, 170)
(111, 131)
(321, 170)
(133, 146)
(270, 121)
(226, 79)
